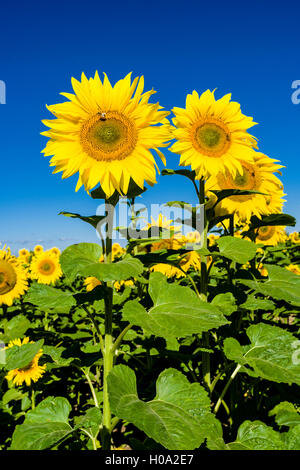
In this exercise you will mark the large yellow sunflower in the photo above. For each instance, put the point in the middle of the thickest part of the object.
(256, 176)
(105, 133)
(13, 278)
(45, 267)
(31, 372)
(212, 134)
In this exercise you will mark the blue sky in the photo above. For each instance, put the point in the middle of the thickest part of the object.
(252, 52)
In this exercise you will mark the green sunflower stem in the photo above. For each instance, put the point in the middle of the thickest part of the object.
(108, 353)
(203, 286)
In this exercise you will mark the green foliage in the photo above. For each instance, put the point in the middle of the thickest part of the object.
(44, 426)
(270, 353)
(179, 416)
(50, 298)
(237, 249)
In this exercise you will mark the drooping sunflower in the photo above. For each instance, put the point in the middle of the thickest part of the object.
(105, 134)
(31, 372)
(45, 267)
(168, 270)
(91, 282)
(256, 176)
(212, 134)
(271, 235)
(13, 278)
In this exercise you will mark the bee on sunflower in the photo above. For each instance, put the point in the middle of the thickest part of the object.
(105, 134)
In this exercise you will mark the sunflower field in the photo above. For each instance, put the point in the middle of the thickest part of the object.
(185, 336)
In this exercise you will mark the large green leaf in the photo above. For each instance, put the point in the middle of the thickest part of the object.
(237, 249)
(15, 328)
(83, 260)
(21, 356)
(225, 302)
(286, 414)
(76, 257)
(44, 426)
(47, 297)
(270, 353)
(281, 284)
(272, 219)
(177, 311)
(255, 435)
(179, 416)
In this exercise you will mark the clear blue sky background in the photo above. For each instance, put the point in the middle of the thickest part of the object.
(249, 49)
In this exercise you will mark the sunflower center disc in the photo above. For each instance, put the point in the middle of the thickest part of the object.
(112, 138)
(47, 267)
(8, 277)
(264, 233)
(212, 139)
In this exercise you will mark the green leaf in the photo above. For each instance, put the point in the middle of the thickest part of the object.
(224, 193)
(292, 438)
(188, 173)
(273, 219)
(252, 303)
(50, 298)
(121, 270)
(281, 284)
(15, 328)
(225, 302)
(271, 353)
(286, 414)
(91, 219)
(11, 395)
(177, 311)
(20, 356)
(179, 416)
(91, 421)
(76, 257)
(255, 435)
(56, 355)
(83, 260)
(44, 426)
(237, 249)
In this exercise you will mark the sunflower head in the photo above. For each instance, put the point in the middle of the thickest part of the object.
(212, 134)
(13, 278)
(45, 267)
(271, 235)
(107, 133)
(31, 372)
(294, 268)
(38, 249)
(55, 251)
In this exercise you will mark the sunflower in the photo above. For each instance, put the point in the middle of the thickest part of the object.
(119, 284)
(212, 134)
(13, 278)
(24, 256)
(91, 282)
(105, 133)
(38, 249)
(190, 260)
(168, 270)
(212, 238)
(55, 251)
(256, 176)
(294, 237)
(271, 235)
(31, 372)
(294, 268)
(45, 267)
